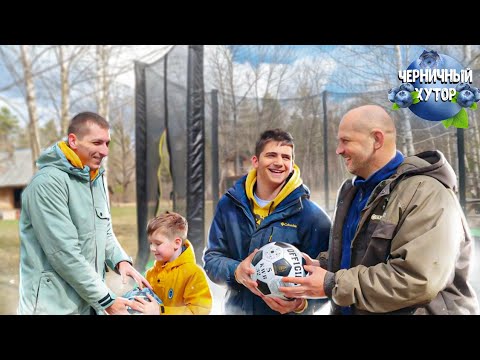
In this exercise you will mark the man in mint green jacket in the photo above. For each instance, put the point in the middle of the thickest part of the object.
(66, 236)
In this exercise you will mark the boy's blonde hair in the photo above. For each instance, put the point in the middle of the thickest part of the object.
(170, 224)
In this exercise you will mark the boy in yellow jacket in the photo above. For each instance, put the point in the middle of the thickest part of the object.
(175, 277)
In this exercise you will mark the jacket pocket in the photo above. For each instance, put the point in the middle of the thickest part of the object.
(378, 248)
(102, 213)
(55, 296)
(102, 224)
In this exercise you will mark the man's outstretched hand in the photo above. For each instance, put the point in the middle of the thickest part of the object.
(126, 269)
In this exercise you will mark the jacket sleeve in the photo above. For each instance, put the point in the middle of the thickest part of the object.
(114, 252)
(58, 237)
(315, 230)
(421, 260)
(219, 267)
(197, 296)
(314, 236)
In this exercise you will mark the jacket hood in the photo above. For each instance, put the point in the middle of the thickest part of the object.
(187, 256)
(54, 156)
(293, 182)
(239, 193)
(430, 163)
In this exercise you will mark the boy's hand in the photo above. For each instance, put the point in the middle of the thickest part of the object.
(146, 307)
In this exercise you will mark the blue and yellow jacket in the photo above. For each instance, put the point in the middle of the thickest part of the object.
(234, 234)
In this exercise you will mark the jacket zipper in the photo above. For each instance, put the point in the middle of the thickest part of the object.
(240, 205)
(94, 225)
(36, 298)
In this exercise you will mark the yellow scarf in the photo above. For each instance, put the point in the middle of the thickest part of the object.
(73, 158)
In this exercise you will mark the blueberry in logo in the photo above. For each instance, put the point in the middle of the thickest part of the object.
(407, 87)
(403, 98)
(430, 59)
(476, 92)
(465, 95)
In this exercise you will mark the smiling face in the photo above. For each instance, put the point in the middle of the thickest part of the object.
(162, 247)
(366, 140)
(92, 147)
(274, 164)
(356, 146)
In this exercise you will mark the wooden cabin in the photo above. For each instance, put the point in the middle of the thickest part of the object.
(15, 173)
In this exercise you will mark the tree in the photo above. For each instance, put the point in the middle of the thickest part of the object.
(270, 66)
(237, 72)
(122, 160)
(366, 68)
(225, 79)
(67, 56)
(23, 64)
(271, 112)
(122, 146)
(49, 133)
(30, 99)
(8, 127)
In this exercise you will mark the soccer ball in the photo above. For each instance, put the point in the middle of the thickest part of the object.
(141, 293)
(274, 261)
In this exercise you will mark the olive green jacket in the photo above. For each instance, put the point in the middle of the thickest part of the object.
(412, 250)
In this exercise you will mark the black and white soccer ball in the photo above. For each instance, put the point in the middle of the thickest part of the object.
(274, 261)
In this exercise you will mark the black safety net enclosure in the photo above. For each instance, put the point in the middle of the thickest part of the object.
(169, 140)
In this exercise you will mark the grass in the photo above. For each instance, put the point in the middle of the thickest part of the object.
(9, 256)
(125, 227)
(124, 221)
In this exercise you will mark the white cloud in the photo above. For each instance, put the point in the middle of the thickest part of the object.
(143, 53)
(316, 69)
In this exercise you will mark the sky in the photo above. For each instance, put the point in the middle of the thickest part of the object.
(298, 52)
(14, 99)
(315, 56)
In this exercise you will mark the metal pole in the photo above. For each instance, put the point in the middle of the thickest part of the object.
(215, 163)
(461, 167)
(143, 251)
(325, 150)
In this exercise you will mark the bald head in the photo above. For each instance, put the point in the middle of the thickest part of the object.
(368, 118)
(366, 139)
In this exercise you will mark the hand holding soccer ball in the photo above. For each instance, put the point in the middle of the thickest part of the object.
(274, 261)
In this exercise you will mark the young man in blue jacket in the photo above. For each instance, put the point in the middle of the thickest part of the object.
(270, 203)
